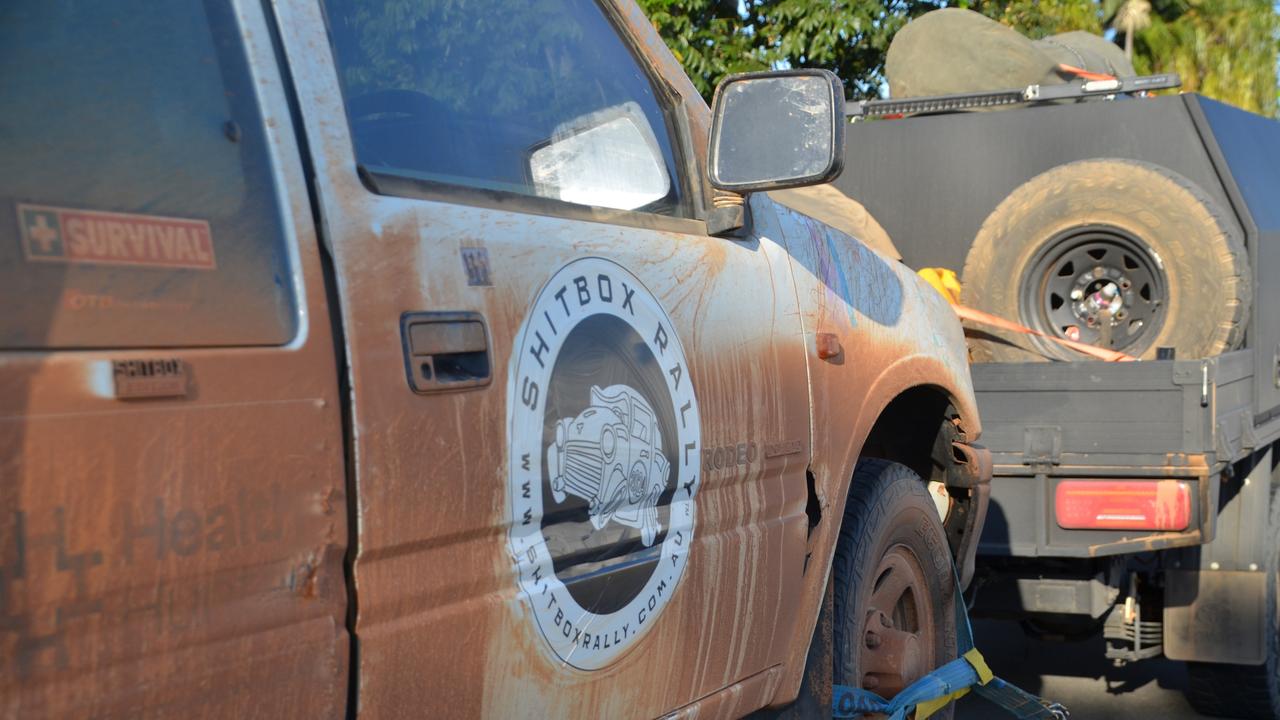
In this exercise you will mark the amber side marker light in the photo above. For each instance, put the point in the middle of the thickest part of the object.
(1123, 505)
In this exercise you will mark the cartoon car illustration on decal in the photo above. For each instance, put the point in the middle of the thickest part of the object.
(611, 456)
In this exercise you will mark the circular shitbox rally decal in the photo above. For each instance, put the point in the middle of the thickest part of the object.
(603, 445)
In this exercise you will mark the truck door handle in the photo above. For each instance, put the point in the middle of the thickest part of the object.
(445, 351)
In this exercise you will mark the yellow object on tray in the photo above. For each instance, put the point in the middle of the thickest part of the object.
(944, 281)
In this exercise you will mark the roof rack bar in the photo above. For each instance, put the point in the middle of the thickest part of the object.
(999, 98)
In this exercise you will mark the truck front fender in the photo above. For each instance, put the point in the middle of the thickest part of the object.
(889, 344)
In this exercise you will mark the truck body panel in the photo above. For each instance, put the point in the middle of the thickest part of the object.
(883, 318)
(402, 254)
(1246, 149)
(1163, 419)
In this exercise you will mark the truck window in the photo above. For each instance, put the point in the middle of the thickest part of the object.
(137, 206)
(541, 99)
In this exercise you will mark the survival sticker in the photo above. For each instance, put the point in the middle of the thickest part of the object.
(65, 235)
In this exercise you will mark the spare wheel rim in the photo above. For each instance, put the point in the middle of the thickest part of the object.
(1082, 274)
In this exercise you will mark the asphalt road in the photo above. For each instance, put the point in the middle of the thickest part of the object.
(1077, 675)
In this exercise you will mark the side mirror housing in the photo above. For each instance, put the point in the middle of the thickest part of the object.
(775, 130)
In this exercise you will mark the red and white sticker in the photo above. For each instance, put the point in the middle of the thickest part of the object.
(54, 234)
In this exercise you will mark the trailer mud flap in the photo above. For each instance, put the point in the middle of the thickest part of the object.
(1217, 616)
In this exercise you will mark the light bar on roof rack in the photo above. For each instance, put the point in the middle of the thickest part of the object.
(1000, 98)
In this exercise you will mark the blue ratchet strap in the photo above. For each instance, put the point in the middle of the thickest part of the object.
(934, 691)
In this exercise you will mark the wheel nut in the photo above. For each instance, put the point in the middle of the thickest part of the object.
(873, 640)
(870, 682)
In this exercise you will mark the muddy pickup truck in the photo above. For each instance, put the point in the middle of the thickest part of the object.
(416, 359)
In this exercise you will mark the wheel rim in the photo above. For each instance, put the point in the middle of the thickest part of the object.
(1081, 275)
(897, 644)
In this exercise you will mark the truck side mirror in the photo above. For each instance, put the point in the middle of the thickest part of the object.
(774, 130)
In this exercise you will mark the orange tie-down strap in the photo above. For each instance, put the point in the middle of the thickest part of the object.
(977, 316)
(1082, 73)
(945, 282)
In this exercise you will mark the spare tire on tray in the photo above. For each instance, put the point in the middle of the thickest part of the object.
(1108, 239)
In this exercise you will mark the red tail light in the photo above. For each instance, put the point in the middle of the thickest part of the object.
(1123, 505)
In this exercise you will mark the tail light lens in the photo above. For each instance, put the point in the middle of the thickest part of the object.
(1123, 505)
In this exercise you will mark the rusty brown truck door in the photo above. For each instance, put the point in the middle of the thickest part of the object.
(580, 423)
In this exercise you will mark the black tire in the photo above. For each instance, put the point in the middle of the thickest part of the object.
(1176, 263)
(1251, 692)
(890, 523)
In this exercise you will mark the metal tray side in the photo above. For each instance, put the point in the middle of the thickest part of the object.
(1167, 419)
(1159, 418)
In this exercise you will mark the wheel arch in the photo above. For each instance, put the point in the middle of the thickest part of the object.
(932, 429)
(909, 428)
(915, 402)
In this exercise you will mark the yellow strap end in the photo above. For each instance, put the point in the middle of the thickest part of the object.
(929, 707)
(979, 664)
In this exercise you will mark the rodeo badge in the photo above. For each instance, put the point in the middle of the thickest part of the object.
(603, 440)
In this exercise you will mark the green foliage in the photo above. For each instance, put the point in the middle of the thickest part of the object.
(708, 37)
(711, 38)
(847, 36)
(1040, 18)
(1226, 49)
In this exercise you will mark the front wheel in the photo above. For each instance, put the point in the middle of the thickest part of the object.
(894, 584)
